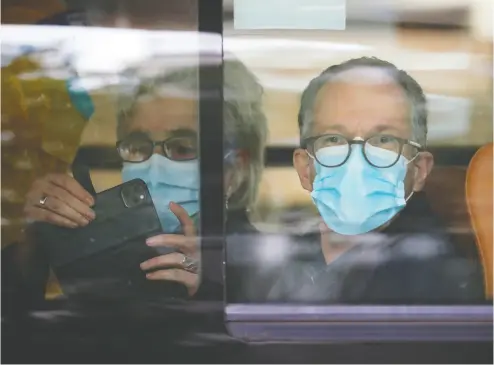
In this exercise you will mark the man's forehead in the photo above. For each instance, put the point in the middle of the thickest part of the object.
(355, 103)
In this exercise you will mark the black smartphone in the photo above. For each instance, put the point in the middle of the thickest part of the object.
(103, 258)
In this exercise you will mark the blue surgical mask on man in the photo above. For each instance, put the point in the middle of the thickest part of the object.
(167, 181)
(356, 197)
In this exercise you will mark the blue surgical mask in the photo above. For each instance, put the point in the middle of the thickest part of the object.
(357, 197)
(168, 181)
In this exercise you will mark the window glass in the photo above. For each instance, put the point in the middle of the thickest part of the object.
(348, 218)
(112, 88)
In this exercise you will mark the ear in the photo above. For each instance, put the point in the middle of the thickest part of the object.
(235, 168)
(303, 165)
(423, 167)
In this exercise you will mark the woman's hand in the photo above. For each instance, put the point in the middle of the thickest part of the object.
(182, 266)
(59, 199)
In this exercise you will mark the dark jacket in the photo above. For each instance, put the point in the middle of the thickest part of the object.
(412, 261)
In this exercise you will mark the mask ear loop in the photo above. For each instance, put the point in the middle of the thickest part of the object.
(408, 162)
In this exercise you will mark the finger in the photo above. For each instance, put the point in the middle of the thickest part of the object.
(186, 222)
(171, 260)
(178, 275)
(179, 242)
(77, 205)
(69, 184)
(59, 207)
(43, 215)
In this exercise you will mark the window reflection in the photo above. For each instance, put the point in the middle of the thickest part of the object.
(63, 90)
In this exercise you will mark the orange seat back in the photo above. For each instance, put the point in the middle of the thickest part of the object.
(479, 201)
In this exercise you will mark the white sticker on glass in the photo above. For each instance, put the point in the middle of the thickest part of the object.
(290, 14)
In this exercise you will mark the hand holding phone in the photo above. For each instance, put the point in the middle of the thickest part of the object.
(60, 200)
(103, 257)
(183, 265)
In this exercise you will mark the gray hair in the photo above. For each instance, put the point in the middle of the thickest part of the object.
(245, 124)
(411, 88)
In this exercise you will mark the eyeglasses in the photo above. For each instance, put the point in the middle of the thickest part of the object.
(140, 148)
(340, 151)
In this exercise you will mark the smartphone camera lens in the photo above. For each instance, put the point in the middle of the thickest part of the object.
(133, 194)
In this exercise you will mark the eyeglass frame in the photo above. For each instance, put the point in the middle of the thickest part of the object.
(161, 144)
(309, 141)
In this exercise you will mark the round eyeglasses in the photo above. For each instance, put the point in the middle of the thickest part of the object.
(140, 148)
(333, 150)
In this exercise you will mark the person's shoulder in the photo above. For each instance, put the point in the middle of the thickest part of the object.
(238, 223)
(424, 268)
(417, 232)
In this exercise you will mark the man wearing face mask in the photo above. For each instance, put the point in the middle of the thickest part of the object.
(363, 126)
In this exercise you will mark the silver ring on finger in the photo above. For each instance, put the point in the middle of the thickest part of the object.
(43, 200)
(189, 264)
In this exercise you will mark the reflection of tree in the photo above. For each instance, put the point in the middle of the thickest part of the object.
(41, 132)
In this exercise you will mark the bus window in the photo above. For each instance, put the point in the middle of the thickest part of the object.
(371, 129)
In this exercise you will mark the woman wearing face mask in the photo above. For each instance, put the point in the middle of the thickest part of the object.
(157, 141)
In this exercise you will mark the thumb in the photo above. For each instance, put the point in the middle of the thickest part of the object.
(185, 221)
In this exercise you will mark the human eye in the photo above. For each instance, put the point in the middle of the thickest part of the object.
(333, 140)
(181, 149)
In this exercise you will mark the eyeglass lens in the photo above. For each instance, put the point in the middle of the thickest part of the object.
(138, 149)
(380, 150)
